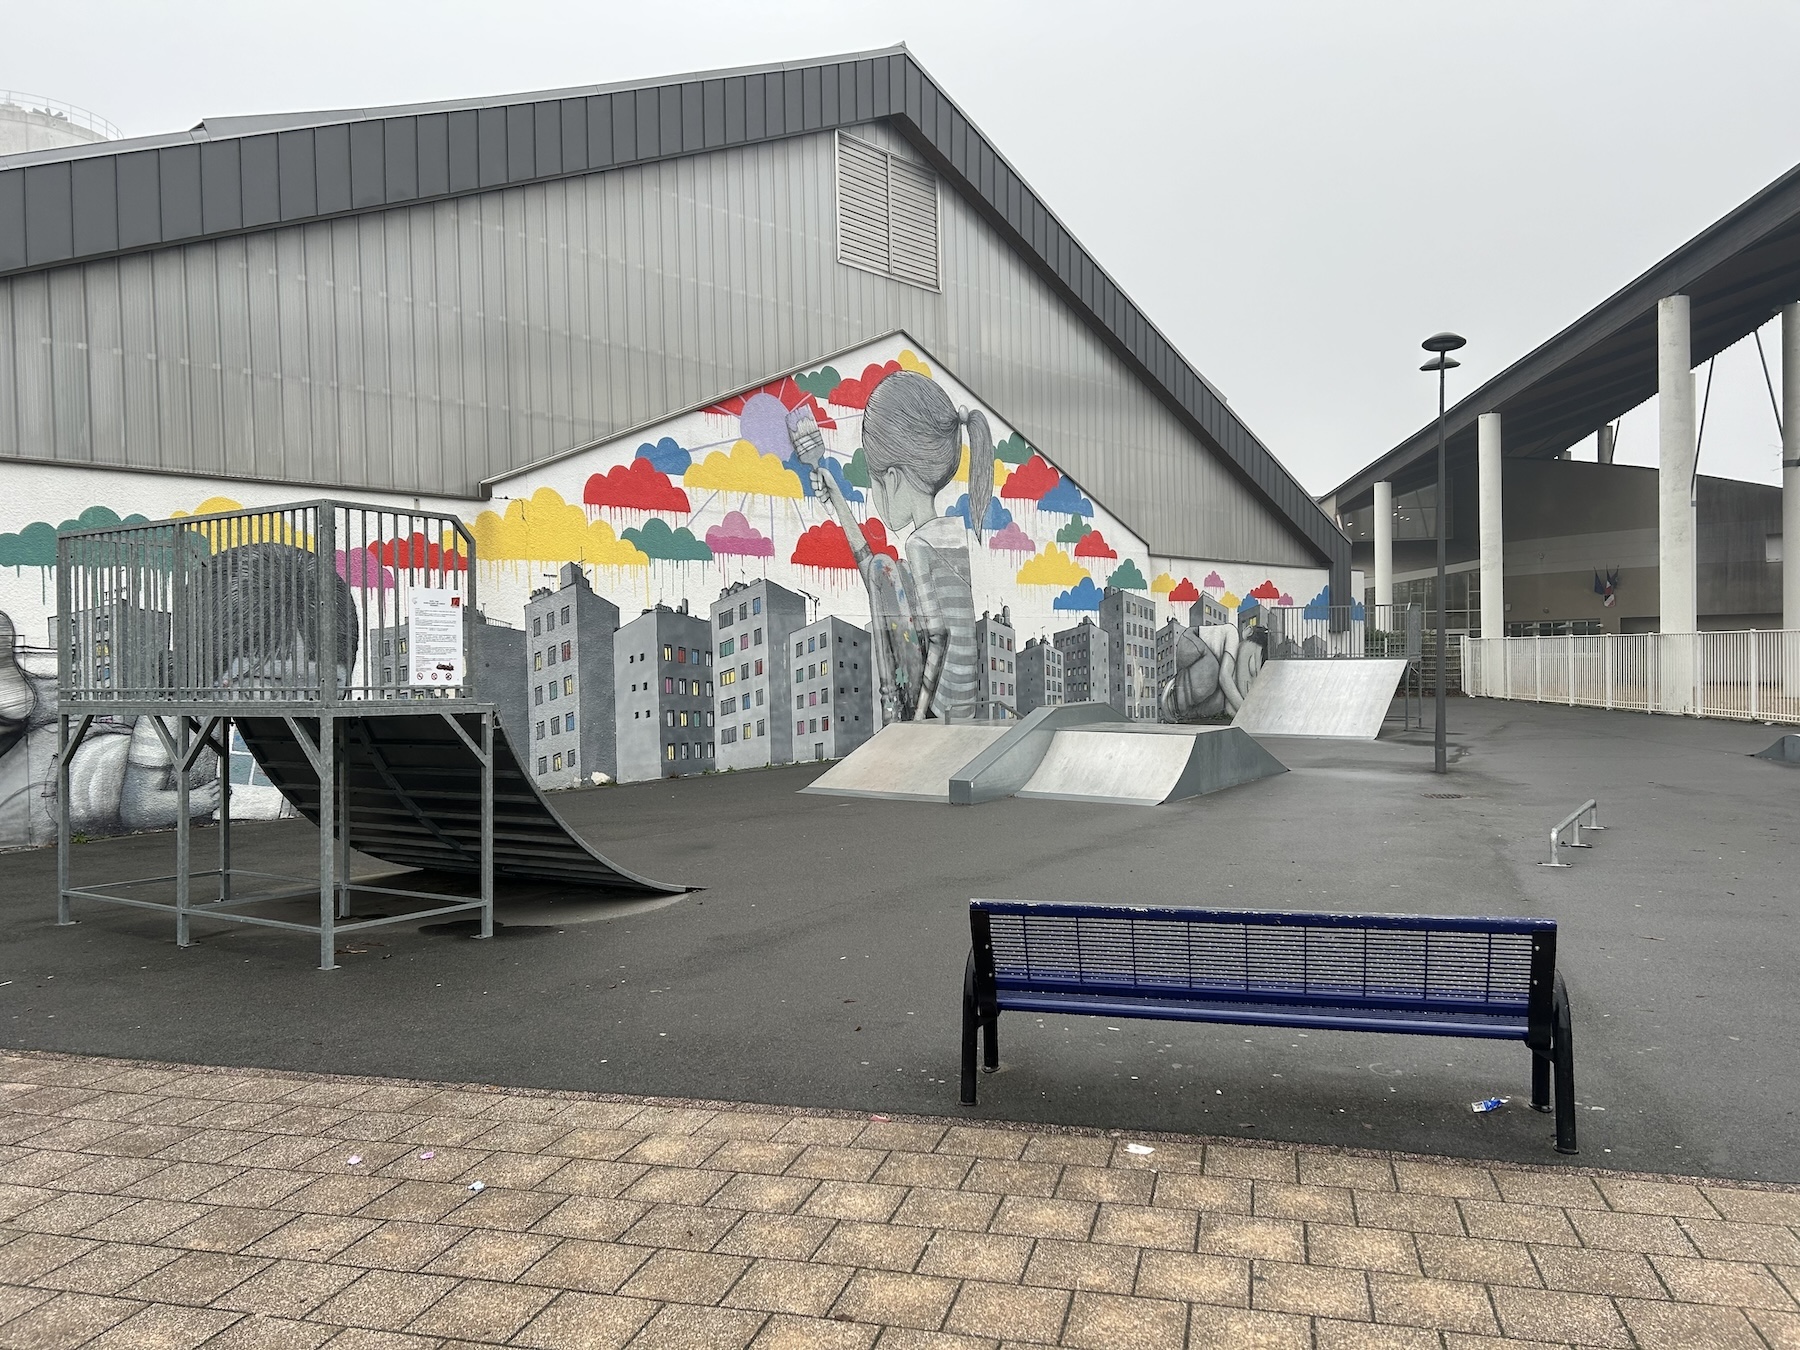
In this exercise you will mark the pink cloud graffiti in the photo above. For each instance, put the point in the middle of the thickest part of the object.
(737, 537)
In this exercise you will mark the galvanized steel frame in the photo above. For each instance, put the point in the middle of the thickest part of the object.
(125, 556)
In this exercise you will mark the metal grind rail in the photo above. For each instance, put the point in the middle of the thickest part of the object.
(1589, 809)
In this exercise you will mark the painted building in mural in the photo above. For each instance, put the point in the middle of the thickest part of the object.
(1040, 675)
(1129, 621)
(793, 334)
(663, 690)
(996, 641)
(753, 625)
(833, 689)
(1087, 662)
(570, 643)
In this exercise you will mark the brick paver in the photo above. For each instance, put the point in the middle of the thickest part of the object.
(151, 1206)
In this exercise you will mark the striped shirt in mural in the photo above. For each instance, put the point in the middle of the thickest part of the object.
(938, 556)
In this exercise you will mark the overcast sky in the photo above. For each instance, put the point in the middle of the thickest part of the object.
(1296, 193)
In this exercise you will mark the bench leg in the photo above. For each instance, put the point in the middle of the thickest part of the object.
(971, 1024)
(990, 1044)
(1540, 1081)
(1563, 1048)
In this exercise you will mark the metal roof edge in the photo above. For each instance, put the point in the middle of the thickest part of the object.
(1667, 276)
(338, 166)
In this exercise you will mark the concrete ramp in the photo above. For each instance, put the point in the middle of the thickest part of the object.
(1146, 764)
(1344, 700)
(908, 761)
(1786, 750)
(1007, 765)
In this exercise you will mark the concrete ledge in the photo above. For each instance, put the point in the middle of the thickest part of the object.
(1147, 764)
(908, 761)
(1007, 765)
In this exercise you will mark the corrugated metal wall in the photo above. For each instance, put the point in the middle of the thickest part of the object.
(425, 348)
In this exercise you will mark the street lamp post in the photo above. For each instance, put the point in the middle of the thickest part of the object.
(1440, 345)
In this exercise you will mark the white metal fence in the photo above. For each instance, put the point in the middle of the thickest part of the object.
(1750, 676)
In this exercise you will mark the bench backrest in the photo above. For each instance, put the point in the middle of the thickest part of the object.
(1393, 961)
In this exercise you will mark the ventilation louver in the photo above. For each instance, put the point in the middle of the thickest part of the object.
(887, 210)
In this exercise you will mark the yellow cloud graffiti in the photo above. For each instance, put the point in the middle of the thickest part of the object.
(744, 469)
(270, 528)
(909, 360)
(1229, 600)
(1001, 469)
(548, 529)
(1052, 567)
(1163, 584)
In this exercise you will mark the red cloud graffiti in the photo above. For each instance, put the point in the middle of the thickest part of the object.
(637, 486)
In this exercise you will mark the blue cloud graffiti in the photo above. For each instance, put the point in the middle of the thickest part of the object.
(1084, 596)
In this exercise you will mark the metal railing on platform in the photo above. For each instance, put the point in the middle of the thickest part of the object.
(299, 604)
(1751, 675)
(1319, 633)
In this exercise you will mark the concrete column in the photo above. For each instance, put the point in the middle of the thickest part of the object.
(1675, 510)
(1384, 543)
(1493, 526)
(1790, 468)
(1605, 440)
(1675, 465)
(1790, 500)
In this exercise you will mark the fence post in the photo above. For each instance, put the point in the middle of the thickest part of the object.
(1537, 661)
(1755, 678)
(1697, 654)
(1606, 661)
(1571, 670)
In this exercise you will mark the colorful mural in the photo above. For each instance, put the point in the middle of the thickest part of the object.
(875, 489)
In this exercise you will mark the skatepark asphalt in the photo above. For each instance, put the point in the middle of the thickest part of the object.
(821, 965)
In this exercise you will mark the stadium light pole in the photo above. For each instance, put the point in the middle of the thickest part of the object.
(1440, 345)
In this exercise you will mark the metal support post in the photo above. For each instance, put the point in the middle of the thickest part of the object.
(328, 816)
(342, 830)
(487, 824)
(226, 729)
(63, 747)
(183, 831)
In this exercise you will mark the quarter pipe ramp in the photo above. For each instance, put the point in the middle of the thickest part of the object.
(414, 798)
(1344, 700)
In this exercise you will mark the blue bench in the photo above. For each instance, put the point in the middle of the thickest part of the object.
(1489, 978)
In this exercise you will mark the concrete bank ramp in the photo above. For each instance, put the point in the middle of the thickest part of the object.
(1786, 750)
(1146, 763)
(908, 761)
(1344, 700)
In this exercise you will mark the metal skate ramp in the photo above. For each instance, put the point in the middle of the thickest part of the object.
(909, 761)
(413, 789)
(1345, 699)
(1146, 763)
(1786, 750)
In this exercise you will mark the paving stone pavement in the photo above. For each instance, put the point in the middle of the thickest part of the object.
(162, 1207)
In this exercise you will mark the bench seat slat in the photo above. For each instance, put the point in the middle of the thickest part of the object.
(1307, 1017)
(1313, 994)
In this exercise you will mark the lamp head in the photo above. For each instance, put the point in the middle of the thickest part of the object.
(1443, 342)
(1442, 361)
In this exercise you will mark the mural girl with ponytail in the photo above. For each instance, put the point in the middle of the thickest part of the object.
(923, 610)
